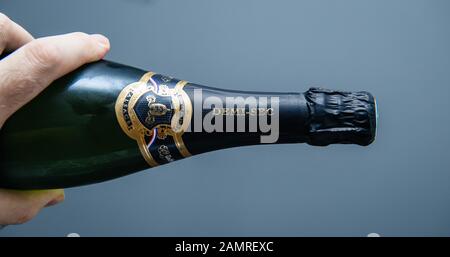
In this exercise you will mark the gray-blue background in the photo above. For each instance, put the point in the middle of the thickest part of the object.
(397, 49)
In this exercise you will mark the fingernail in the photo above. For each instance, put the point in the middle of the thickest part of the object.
(101, 40)
(55, 201)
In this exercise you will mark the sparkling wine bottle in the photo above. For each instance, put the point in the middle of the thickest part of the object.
(106, 120)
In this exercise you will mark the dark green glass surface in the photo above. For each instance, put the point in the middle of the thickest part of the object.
(69, 134)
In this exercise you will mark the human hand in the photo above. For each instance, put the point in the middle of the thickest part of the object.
(32, 65)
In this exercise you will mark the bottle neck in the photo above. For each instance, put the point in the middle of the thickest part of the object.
(228, 118)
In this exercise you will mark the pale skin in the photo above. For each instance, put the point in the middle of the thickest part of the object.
(32, 65)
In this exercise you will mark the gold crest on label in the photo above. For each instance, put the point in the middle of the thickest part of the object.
(147, 110)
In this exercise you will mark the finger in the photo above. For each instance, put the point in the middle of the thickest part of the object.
(31, 68)
(18, 207)
(12, 35)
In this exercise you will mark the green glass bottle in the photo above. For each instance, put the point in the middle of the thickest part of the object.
(107, 120)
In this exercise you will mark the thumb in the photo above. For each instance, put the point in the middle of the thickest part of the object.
(31, 68)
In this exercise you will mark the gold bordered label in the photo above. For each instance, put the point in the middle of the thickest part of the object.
(155, 112)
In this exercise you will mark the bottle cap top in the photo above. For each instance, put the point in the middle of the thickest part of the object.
(338, 117)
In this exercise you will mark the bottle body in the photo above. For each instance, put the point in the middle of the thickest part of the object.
(106, 120)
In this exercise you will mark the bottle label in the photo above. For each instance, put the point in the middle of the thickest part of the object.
(156, 111)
